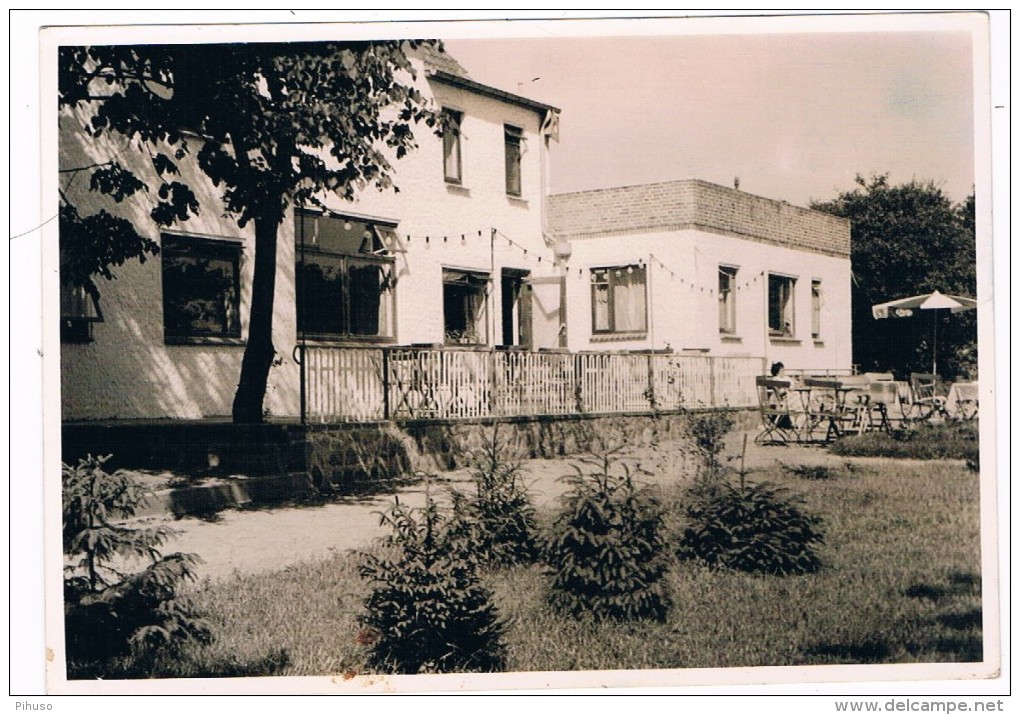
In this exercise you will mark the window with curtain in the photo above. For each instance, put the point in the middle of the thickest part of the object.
(816, 309)
(345, 278)
(451, 145)
(513, 137)
(201, 287)
(465, 307)
(78, 311)
(618, 299)
(781, 304)
(727, 300)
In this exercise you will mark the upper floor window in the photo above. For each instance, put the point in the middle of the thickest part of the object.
(816, 309)
(727, 299)
(781, 306)
(512, 138)
(345, 278)
(618, 300)
(465, 307)
(201, 287)
(451, 145)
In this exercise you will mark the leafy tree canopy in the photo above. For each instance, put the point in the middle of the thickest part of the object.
(269, 124)
(906, 240)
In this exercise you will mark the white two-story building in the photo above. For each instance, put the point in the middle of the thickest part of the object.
(471, 264)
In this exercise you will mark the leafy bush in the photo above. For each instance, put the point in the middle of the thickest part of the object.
(708, 430)
(499, 519)
(606, 553)
(757, 528)
(428, 611)
(109, 613)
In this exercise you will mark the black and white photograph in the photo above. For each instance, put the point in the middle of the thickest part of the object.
(499, 356)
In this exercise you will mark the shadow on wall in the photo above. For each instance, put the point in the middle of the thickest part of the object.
(128, 371)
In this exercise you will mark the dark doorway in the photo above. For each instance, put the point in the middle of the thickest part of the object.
(516, 320)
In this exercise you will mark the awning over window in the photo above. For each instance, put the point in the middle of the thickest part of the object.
(466, 278)
(349, 235)
(389, 240)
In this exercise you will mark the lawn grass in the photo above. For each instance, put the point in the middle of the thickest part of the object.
(948, 440)
(900, 584)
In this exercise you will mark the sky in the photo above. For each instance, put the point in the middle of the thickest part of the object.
(794, 116)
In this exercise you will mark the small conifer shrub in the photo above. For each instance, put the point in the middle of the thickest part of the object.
(757, 528)
(108, 612)
(606, 553)
(498, 520)
(427, 611)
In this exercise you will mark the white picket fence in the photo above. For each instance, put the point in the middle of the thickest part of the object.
(373, 384)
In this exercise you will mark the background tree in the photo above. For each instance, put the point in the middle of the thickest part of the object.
(907, 240)
(270, 124)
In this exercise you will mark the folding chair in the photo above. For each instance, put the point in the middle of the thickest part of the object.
(925, 403)
(828, 406)
(856, 411)
(777, 420)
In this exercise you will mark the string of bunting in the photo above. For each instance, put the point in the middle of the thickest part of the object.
(428, 240)
(444, 239)
(673, 275)
(439, 239)
(511, 242)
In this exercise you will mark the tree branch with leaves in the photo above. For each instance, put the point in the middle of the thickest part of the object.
(908, 239)
(270, 125)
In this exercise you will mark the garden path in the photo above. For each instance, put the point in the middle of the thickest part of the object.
(268, 539)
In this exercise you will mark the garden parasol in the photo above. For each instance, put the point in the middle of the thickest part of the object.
(904, 307)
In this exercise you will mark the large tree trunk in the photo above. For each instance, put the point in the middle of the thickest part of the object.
(259, 352)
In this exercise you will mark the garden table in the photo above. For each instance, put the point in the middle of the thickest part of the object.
(825, 401)
(962, 401)
(885, 395)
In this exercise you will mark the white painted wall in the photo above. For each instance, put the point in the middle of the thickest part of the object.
(683, 308)
(129, 372)
(427, 205)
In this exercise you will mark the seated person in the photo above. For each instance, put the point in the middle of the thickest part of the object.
(778, 395)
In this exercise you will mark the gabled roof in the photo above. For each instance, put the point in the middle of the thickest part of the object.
(443, 67)
(487, 91)
(441, 61)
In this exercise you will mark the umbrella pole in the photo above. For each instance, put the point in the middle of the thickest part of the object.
(934, 342)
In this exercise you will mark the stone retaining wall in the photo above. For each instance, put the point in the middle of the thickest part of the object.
(338, 456)
(349, 457)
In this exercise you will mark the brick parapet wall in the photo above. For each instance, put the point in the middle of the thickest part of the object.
(695, 204)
